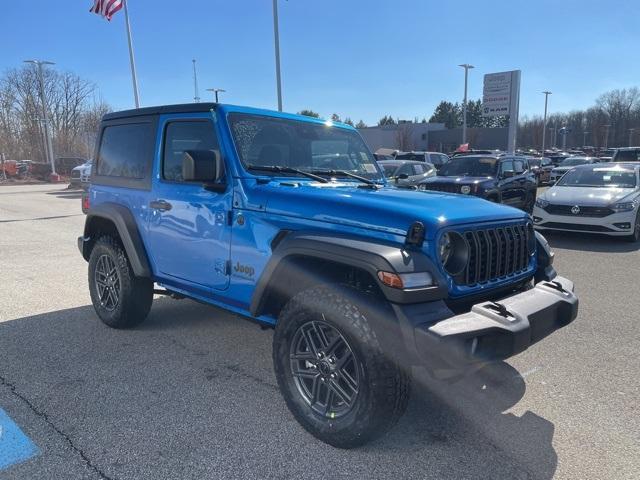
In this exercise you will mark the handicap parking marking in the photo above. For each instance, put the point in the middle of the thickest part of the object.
(15, 446)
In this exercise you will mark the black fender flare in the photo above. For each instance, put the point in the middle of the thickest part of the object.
(363, 253)
(127, 229)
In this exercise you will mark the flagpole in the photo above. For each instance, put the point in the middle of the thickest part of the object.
(134, 77)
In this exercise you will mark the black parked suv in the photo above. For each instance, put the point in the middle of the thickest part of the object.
(502, 179)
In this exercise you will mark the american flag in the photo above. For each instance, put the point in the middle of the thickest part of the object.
(106, 8)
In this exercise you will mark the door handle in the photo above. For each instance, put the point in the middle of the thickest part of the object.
(160, 205)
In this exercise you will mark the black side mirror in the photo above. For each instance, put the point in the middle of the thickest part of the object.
(402, 176)
(204, 166)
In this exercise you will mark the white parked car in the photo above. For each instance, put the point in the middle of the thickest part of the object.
(81, 175)
(598, 198)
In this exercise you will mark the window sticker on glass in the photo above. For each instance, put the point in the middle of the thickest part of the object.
(369, 168)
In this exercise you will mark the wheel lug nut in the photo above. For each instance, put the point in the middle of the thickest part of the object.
(333, 375)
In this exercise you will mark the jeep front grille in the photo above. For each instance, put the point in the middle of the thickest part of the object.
(441, 187)
(496, 253)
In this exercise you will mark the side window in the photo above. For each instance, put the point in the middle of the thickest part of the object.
(185, 135)
(418, 169)
(124, 150)
(506, 166)
(519, 166)
(405, 169)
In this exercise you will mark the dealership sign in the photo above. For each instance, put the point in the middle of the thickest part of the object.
(501, 96)
(497, 94)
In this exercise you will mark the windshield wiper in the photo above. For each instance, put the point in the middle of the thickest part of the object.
(344, 173)
(279, 169)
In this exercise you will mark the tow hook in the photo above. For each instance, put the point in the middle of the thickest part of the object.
(500, 309)
(556, 286)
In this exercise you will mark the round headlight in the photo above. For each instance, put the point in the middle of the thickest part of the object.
(454, 252)
(466, 189)
(444, 248)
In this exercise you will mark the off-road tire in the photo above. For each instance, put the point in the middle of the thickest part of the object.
(384, 388)
(635, 236)
(135, 294)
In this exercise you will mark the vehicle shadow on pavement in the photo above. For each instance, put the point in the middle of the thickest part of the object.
(67, 194)
(589, 242)
(474, 408)
(191, 394)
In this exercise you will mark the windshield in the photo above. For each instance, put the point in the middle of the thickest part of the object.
(599, 177)
(572, 162)
(469, 167)
(268, 141)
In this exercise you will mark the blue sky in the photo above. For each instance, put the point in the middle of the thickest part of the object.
(358, 58)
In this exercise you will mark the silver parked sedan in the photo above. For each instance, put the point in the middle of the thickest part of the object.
(407, 173)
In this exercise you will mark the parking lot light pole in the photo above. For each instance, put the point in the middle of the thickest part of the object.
(216, 91)
(466, 67)
(45, 119)
(544, 122)
(606, 135)
(276, 39)
(584, 138)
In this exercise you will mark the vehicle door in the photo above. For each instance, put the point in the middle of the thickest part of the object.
(399, 174)
(419, 172)
(508, 183)
(524, 180)
(189, 234)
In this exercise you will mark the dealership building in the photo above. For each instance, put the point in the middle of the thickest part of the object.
(433, 137)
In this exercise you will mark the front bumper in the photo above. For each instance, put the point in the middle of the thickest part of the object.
(608, 225)
(491, 331)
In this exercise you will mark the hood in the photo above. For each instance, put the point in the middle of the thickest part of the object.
(387, 209)
(586, 196)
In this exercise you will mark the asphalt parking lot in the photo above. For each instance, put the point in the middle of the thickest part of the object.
(191, 393)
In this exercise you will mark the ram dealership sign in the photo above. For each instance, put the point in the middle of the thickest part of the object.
(496, 94)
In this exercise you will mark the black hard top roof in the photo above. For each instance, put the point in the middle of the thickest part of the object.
(179, 108)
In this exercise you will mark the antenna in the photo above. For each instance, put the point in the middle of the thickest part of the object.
(196, 96)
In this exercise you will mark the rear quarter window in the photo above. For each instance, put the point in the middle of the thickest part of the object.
(126, 152)
(123, 151)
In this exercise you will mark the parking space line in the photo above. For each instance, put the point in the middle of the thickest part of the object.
(15, 446)
(41, 218)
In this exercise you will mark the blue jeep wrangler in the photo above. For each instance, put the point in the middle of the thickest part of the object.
(288, 220)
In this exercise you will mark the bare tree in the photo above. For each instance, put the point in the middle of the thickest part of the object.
(73, 110)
